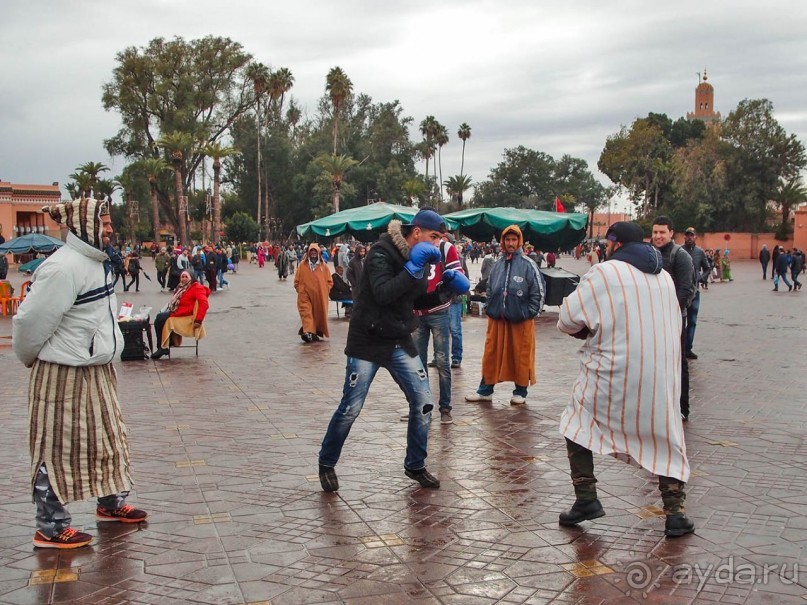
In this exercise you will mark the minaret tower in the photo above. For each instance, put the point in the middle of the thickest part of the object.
(704, 102)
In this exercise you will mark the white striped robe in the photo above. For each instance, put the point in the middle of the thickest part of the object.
(625, 401)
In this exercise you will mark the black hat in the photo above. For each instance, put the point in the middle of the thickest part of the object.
(625, 232)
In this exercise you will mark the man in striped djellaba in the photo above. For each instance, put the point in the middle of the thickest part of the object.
(67, 332)
(624, 402)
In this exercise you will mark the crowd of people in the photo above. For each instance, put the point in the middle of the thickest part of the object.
(401, 293)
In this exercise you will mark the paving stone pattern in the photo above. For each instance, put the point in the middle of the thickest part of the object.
(224, 449)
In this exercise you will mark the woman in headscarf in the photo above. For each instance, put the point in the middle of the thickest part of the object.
(182, 304)
(313, 282)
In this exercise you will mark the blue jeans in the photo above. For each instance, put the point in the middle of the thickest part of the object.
(692, 321)
(222, 281)
(455, 315)
(411, 376)
(436, 324)
(776, 280)
(487, 389)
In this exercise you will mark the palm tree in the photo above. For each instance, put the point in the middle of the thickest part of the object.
(789, 194)
(259, 74)
(463, 133)
(441, 138)
(335, 167)
(92, 169)
(83, 183)
(74, 190)
(339, 88)
(217, 151)
(457, 185)
(428, 130)
(413, 189)
(127, 182)
(280, 82)
(154, 167)
(178, 145)
(293, 115)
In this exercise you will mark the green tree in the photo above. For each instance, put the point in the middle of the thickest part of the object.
(639, 160)
(339, 88)
(464, 133)
(179, 146)
(217, 151)
(456, 186)
(334, 168)
(241, 227)
(789, 194)
(414, 189)
(764, 156)
(258, 74)
(197, 87)
(524, 179)
(153, 168)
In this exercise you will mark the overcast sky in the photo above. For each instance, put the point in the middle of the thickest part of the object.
(558, 77)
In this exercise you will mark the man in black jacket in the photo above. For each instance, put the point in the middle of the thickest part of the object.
(764, 259)
(679, 265)
(380, 336)
(701, 268)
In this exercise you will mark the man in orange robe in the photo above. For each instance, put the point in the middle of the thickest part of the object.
(313, 282)
(515, 297)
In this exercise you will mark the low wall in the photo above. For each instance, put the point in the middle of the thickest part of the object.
(742, 245)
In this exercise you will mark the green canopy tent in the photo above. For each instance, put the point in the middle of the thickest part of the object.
(364, 222)
(544, 230)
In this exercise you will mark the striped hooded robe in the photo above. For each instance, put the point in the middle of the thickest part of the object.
(625, 401)
(76, 428)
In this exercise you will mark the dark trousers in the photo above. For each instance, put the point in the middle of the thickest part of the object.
(212, 278)
(159, 322)
(684, 401)
(765, 269)
(581, 464)
(135, 281)
(161, 278)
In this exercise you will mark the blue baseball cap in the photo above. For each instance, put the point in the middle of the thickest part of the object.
(428, 219)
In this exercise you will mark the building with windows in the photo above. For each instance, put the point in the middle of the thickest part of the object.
(20, 209)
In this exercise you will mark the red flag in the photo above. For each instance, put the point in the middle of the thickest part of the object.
(558, 205)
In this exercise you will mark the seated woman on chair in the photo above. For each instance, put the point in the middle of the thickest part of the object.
(188, 293)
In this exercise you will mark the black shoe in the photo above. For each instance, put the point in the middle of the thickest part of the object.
(432, 364)
(678, 525)
(424, 477)
(582, 511)
(790, 288)
(685, 417)
(691, 355)
(328, 479)
(159, 353)
(456, 364)
(776, 289)
(307, 337)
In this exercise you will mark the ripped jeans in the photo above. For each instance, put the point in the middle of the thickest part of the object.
(411, 376)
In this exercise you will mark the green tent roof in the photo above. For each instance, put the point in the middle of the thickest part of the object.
(544, 230)
(361, 222)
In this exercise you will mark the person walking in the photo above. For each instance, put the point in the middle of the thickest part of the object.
(679, 265)
(161, 264)
(354, 270)
(781, 266)
(796, 268)
(380, 336)
(516, 293)
(764, 259)
(624, 402)
(77, 437)
(134, 269)
(701, 267)
(313, 282)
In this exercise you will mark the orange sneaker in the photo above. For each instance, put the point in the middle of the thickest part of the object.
(68, 538)
(124, 514)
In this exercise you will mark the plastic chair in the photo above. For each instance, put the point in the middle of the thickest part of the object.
(177, 327)
(8, 302)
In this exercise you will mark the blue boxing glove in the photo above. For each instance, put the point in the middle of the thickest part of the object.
(456, 281)
(419, 256)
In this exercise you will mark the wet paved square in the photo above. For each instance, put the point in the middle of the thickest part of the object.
(224, 449)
